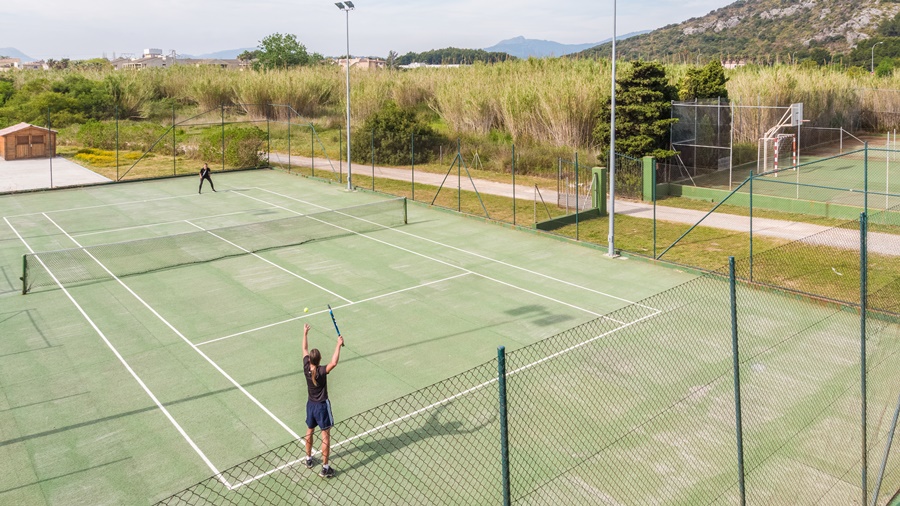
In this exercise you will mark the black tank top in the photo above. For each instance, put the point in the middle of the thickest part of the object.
(319, 391)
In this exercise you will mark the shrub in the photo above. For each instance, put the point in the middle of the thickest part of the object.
(393, 128)
(242, 146)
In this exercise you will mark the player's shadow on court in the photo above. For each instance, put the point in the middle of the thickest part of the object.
(539, 315)
(379, 447)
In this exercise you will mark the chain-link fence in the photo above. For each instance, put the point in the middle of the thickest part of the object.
(764, 381)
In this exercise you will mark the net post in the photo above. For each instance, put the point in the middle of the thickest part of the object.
(863, 302)
(24, 274)
(504, 440)
(736, 363)
(405, 215)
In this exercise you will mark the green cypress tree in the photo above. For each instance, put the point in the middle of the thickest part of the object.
(643, 112)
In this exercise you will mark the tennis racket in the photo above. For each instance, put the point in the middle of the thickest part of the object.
(334, 322)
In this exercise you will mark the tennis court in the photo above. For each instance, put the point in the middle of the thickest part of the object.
(131, 371)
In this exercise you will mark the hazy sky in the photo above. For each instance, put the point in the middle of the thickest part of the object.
(80, 29)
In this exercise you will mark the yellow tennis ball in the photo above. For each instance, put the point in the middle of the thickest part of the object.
(306, 310)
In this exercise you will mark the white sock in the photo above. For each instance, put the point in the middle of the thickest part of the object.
(326, 466)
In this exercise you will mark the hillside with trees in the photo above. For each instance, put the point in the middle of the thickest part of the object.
(454, 56)
(769, 31)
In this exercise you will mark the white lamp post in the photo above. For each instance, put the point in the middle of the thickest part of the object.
(347, 7)
(873, 55)
(611, 251)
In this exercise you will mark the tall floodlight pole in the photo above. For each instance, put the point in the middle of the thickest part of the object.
(347, 7)
(612, 148)
(873, 55)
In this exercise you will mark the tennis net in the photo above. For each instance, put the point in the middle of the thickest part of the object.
(104, 261)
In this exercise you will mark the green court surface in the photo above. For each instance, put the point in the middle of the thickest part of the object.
(841, 179)
(124, 389)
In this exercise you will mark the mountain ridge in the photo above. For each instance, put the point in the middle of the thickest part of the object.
(521, 47)
(759, 29)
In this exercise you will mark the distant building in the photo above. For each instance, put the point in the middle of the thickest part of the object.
(7, 64)
(733, 64)
(362, 63)
(35, 65)
(416, 65)
(154, 58)
(23, 141)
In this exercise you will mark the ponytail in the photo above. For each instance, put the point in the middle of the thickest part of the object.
(314, 358)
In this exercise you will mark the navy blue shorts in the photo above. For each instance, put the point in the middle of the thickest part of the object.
(319, 414)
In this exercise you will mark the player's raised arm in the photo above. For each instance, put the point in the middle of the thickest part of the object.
(337, 355)
(305, 340)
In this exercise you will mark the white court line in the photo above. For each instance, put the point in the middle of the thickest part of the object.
(312, 217)
(183, 338)
(484, 257)
(98, 206)
(134, 375)
(269, 262)
(448, 399)
(114, 230)
(336, 307)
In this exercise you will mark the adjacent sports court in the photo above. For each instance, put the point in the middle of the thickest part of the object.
(159, 339)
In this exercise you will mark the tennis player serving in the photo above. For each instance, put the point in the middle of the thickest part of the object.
(318, 407)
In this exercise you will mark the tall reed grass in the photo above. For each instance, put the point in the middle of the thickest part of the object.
(556, 102)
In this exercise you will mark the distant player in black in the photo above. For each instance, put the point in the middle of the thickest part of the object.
(318, 407)
(204, 174)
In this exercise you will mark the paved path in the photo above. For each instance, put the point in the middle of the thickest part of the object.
(36, 173)
(790, 230)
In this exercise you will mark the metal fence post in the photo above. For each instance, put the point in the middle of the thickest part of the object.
(312, 150)
(373, 159)
(268, 136)
(504, 440)
(174, 148)
(117, 142)
(514, 182)
(223, 136)
(866, 179)
(736, 364)
(458, 176)
(341, 156)
(863, 302)
(577, 198)
(412, 150)
(289, 139)
(751, 226)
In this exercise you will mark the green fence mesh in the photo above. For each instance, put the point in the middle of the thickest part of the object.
(639, 406)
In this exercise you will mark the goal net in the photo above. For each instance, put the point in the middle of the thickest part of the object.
(778, 152)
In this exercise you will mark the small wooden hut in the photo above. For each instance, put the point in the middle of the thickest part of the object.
(24, 141)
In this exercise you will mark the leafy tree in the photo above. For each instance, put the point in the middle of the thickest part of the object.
(891, 27)
(7, 88)
(454, 56)
(885, 68)
(249, 55)
(391, 60)
(393, 128)
(643, 112)
(279, 51)
(706, 82)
